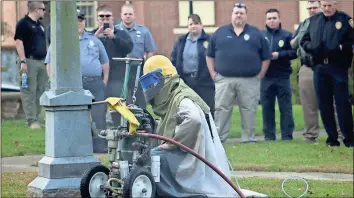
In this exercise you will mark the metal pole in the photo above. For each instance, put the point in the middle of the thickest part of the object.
(136, 82)
(126, 79)
(190, 7)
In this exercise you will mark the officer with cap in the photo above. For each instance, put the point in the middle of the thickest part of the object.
(329, 39)
(93, 61)
(144, 47)
(185, 117)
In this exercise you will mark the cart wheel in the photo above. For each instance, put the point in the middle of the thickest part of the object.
(92, 180)
(139, 183)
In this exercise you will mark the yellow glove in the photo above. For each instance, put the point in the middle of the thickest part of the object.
(119, 105)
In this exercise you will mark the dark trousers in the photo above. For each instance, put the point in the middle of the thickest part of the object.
(272, 88)
(98, 112)
(332, 81)
(206, 92)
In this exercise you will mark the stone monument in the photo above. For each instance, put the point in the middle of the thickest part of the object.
(68, 141)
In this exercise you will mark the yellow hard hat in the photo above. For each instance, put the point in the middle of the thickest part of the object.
(162, 62)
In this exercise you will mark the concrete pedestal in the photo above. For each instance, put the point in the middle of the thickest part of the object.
(68, 148)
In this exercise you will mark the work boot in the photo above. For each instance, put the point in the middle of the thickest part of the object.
(35, 125)
(311, 140)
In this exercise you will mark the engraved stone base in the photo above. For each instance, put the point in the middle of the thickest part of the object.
(60, 177)
(65, 167)
(43, 187)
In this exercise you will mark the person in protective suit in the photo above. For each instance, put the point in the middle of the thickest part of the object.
(185, 118)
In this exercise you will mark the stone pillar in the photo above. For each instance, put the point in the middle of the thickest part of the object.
(68, 141)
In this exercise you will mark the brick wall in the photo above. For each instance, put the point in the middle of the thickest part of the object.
(162, 23)
(161, 17)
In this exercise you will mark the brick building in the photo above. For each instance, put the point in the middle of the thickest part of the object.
(167, 19)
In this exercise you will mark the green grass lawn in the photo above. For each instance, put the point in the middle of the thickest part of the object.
(15, 185)
(272, 187)
(18, 140)
(236, 121)
(277, 156)
(290, 156)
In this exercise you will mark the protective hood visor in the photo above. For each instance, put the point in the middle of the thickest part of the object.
(152, 83)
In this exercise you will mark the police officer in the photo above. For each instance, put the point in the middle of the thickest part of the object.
(276, 83)
(329, 40)
(118, 44)
(93, 61)
(144, 47)
(305, 79)
(188, 56)
(31, 49)
(238, 56)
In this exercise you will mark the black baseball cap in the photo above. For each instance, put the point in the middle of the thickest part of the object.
(80, 15)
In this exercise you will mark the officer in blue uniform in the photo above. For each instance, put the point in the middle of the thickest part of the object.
(276, 83)
(144, 47)
(329, 39)
(93, 61)
(188, 56)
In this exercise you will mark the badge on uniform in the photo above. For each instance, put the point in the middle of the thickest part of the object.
(281, 43)
(138, 33)
(91, 43)
(338, 25)
(205, 44)
(246, 37)
(351, 23)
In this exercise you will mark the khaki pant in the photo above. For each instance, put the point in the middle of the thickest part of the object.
(37, 79)
(247, 92)
(309, 102)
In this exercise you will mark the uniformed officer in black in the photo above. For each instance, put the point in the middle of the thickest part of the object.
(276, 82)
(31, 49)
(329, 40)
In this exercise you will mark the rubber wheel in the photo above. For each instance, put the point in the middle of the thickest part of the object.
(139, 183)
(91, 181)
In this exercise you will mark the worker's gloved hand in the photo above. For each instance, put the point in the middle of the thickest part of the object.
(164, 146)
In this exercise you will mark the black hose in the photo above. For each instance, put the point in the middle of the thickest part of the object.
(155, 136)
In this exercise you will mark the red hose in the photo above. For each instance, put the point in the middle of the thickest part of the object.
(197, 156)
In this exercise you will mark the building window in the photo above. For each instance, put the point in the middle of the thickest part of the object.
(303, 13)
(205, 9)
(89, 8)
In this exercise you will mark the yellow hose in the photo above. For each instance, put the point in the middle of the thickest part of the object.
(111, 188)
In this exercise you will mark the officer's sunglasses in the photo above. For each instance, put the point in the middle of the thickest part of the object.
(41, 9)
(240, 5)
(105, 15)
